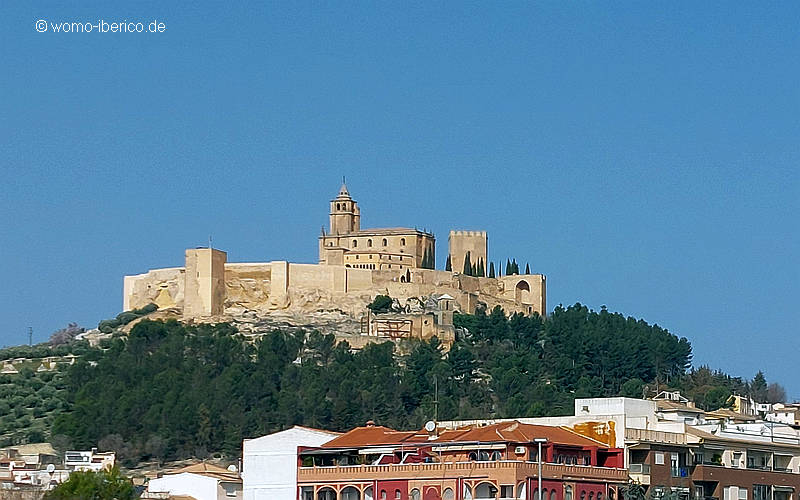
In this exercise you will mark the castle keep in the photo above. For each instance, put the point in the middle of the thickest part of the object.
(354, 266)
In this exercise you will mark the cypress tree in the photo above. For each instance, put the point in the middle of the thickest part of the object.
(467, 265)
(527, 268)
(481, 268)
(448, 266)
(514, 266)
(509, 270)
(491, 270)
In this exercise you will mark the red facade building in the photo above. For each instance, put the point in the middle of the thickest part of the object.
(498, 461)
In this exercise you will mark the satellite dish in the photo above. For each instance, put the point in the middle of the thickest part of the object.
(232, 468)
(430, 426)
(51, 468)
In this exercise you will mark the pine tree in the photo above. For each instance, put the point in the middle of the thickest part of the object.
(448, 266)
(527, 268)
(467, 265)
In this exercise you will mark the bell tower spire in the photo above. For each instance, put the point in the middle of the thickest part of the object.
(344, 215)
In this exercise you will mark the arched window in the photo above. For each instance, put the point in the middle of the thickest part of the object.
(583, 495)
(385, 242)
(448, 494)
(415, 494)
(591, 495)
(521, 491)
(338, 206)
(368, 493)
(355, 243)
(398, 494)
(402, 241)
(600, 495)
(326, 494)
(467, 493)
(383, 494)
(369, 242)
(568, 492)
(553, 495)
(536, 494)
(350, 493)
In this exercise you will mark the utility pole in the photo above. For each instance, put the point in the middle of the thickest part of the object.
(30, 335)
(435, 398)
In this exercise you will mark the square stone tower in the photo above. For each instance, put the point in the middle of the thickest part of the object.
(474, 242)
(204, 289)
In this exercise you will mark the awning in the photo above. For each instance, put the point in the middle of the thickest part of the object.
(327, 452)
(469, 447)
(378, 451)
(787, 489)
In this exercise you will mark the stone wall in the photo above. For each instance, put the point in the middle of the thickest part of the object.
(282, 286)
(474, 242)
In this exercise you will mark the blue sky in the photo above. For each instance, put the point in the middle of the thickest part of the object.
(642, 157)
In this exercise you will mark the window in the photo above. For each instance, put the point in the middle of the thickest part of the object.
(568, 492)
(383, 494)
(583, 495)
(415, 494)
(385, 242)
(506, 491)
(742, 493)
(306, 493)
(402, 242)
(448, 494)
(230, 489)
(760, 492)
(355, 243)
(338, 206)
(659, 457)
(398, 495)
(591, 495)
(553, 495)
(369, 242)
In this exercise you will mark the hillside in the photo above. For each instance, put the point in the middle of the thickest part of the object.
(170, 391)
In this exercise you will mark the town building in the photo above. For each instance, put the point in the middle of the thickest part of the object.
(201, 481)
(91, 460)
(269, 463)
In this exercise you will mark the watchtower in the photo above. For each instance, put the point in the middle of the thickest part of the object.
(204, 287)
(461, 242)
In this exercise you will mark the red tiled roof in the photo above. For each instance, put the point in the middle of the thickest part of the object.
(505, 432)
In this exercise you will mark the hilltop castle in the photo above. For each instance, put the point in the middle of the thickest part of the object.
(354, 266)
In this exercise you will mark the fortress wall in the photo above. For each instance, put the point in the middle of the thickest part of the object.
(164, 287)
(315, 276)
(359, 279)
(247, 285)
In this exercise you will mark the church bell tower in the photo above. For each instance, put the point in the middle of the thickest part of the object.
(345, 215)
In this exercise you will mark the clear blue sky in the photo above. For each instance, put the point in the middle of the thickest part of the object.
(642, 157)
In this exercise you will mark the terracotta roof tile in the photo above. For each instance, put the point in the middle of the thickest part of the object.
(504, 432)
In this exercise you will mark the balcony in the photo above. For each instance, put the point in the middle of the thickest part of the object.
(640, 473)
(648, 436)
(444, 470)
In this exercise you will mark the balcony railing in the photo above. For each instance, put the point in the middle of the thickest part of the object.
(649, 436)
(367, 472)
(640, 469)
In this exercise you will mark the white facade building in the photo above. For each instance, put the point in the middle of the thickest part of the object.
(201, 481)
(269, 467)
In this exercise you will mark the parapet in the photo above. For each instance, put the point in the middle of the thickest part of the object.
(468, 233)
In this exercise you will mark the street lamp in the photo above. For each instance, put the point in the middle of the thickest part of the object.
(539, 441)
